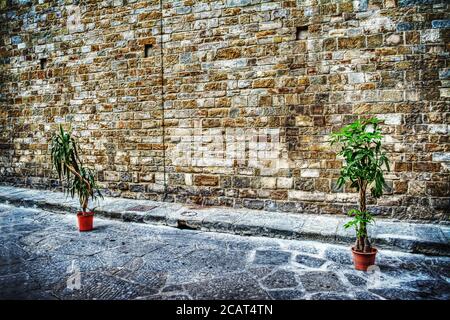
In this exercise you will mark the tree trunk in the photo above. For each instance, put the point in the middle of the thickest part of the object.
(364, 242)
(357, 244)
(88, 185)
(84, 204)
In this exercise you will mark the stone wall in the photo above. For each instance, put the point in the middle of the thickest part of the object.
(252, 90)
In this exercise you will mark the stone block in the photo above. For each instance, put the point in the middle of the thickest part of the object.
(228, 53)
(310, 173)
(206, 180)
(430, 36)
(351, 42)
(440, 24)
(268, 182)
(284, 183)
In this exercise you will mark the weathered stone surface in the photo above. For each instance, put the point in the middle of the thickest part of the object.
(309, 261)
(287, 294)
(341, 256)
(171, 288)
(140, 261)
(438, 289)
(15, 284)
(228, 53)
(329, 296)
(202, 180)
(321, 281)
(356, 280)
(245, 115)
(240, 286)
(394, 293)
(280, 279)
(271, 257)
(421, 238)
(100, 286)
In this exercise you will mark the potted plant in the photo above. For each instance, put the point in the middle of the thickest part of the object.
(363, 168)
(79, 180)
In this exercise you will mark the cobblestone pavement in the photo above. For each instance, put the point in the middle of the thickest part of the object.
(41, 253)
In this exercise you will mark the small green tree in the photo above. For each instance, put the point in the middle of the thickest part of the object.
(65, 159)
(363, 167)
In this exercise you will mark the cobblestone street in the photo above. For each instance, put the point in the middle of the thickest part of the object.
(41, 253)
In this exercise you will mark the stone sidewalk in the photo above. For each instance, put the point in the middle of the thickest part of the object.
(403, 236)
(44, 256)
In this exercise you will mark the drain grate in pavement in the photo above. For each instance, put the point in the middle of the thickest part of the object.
(197, 207)
(141, 208)
(189, 213)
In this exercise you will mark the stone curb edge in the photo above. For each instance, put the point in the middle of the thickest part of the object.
(433, 241)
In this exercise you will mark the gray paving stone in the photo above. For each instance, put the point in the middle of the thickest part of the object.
(329, 296)
(28, 295)
(102, 287)
(438, 266)
(312, 262)
(240, 286)
(429, 233)
(446, 232)
(356, 280)
(387, 261)
(79, 248)
(139, 249)
(21, 228)
(422, 238)
(248, 225)
(12, 268)
(167, 297)
(325, 230)
(364, 295)
(280, 279)
(339, 255)
(139, 261)
(15, 284)
(433, 288)
(220, 222)
(271, 257)
(321, 281)
(398, 294)
(112, 259)
(173, 288)
(306, 247)
(212, 259)
(260, 272)
(287, 294)
(50, 274)
(11, 253)
(150, 280)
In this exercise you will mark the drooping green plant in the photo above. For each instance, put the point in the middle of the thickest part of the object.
(364, 164)
(65, 159)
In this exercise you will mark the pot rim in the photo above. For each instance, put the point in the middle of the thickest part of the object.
(374, 251)
(85, 214)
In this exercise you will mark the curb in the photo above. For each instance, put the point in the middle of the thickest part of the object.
(430, 239)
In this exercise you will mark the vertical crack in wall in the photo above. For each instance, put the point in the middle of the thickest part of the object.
(161, 33)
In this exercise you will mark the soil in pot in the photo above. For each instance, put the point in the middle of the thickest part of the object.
(85, 221)
(363, 260)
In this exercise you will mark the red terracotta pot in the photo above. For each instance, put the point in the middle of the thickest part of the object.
(363, 260)
(85, 221)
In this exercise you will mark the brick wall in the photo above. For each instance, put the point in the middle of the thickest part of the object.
(252, 90)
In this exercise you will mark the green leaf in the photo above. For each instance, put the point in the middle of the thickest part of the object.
(364, 161)
(64, 155)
